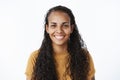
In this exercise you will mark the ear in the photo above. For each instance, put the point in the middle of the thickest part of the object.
(46, 28)
(72, 28)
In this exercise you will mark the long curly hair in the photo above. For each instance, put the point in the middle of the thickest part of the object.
(78, 60)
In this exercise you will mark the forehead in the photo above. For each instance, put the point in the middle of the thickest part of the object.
(58, 16)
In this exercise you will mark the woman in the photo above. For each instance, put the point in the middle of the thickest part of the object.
(62, 55)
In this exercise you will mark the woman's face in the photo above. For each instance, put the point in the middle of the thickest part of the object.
(59, 28)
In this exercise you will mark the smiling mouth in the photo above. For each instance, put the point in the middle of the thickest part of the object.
(59, 37)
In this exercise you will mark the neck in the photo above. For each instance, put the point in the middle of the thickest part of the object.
(60, 49)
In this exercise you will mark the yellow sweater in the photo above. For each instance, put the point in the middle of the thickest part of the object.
(61, 65)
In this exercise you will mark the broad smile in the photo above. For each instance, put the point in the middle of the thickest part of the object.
(59, 37)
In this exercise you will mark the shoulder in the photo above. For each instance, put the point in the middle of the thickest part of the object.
(32, 58)
(31, 63)
(34, 55)
(85, 50)
(91, 63)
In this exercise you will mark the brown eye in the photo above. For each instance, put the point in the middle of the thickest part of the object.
(65, 26)
(52, 26)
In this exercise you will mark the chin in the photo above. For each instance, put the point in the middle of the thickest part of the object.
(60, 43)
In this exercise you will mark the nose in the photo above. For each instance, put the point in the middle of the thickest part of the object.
(59, 29)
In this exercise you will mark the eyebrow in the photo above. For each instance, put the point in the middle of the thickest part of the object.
(62, 23)
(53, 22)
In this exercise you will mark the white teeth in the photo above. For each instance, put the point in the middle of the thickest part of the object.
(59, 37)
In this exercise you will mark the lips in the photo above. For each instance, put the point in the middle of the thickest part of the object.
(59, 37)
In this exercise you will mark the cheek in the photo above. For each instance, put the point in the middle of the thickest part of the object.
(51, 31)
(68, 32)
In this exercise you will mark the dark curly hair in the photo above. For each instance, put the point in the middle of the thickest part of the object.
(78, 60)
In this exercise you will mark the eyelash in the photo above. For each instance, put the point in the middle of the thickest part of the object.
(65, 26)
(53, 25)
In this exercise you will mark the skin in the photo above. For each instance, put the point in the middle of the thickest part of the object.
(59, 30)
